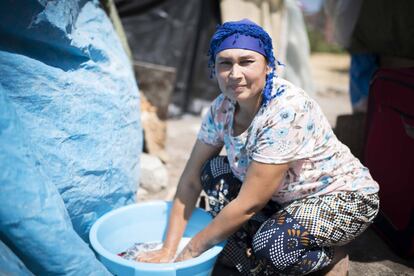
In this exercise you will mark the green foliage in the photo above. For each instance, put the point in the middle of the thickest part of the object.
(319, 44)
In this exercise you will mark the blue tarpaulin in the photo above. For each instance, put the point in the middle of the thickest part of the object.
(70, 132)
(10, 264)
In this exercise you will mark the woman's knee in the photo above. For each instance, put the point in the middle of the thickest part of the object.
(282, 242)
(269, 243)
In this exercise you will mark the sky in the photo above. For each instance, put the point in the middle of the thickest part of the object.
(311, 6)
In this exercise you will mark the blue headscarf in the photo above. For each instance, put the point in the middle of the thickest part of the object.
(245, 34)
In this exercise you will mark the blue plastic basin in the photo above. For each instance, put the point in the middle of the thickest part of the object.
(147, 222)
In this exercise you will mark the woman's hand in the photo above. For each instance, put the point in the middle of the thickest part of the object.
(163, 255)
(188, 252)
(185, 199)
(261, 181)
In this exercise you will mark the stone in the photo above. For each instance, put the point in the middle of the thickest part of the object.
(154, 175)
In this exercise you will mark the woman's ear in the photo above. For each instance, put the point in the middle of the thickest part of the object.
(268, 69)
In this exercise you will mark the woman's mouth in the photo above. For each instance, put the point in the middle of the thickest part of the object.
(237, 88)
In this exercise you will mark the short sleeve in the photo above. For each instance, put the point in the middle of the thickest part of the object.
(212, 126)
(287, 133)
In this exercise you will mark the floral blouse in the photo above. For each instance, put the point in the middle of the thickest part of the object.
(292, 129)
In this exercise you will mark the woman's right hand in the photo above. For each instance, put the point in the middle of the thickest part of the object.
(163, 255)
(188, 190)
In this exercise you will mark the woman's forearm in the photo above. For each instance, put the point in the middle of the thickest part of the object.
(261, 181)
(228, 221)
(183, 205)
(188, 191)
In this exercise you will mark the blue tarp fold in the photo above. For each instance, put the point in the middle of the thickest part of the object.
(70, 132)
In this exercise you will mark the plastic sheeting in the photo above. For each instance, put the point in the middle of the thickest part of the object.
(70, 133)
(297, 70)
(344, 15)
(10, 264)
(175, 34)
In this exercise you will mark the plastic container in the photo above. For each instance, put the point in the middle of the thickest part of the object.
(147, 222)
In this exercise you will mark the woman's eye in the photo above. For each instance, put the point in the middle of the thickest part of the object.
(247, 62)
(225, 63)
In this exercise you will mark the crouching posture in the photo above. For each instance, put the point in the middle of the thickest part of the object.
(288, 192)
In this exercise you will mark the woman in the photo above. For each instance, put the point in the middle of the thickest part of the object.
(288, 191)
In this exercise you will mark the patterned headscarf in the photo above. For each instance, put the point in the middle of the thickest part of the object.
(244, 34)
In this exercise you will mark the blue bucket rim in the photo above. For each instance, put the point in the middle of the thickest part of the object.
(99, 249)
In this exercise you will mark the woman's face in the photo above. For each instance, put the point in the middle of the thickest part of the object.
(241, 74)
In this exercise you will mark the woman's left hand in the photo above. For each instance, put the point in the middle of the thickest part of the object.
(188, 252)
(261, 182)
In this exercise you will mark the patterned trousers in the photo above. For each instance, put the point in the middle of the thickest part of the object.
(292, 239)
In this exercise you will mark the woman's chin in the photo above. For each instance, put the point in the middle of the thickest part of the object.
(240, 96)
(243, 97)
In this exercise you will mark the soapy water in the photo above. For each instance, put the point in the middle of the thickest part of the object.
(132, 252)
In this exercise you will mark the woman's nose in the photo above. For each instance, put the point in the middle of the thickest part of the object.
(235, 72)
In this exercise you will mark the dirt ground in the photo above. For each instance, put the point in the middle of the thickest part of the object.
(369, 255)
